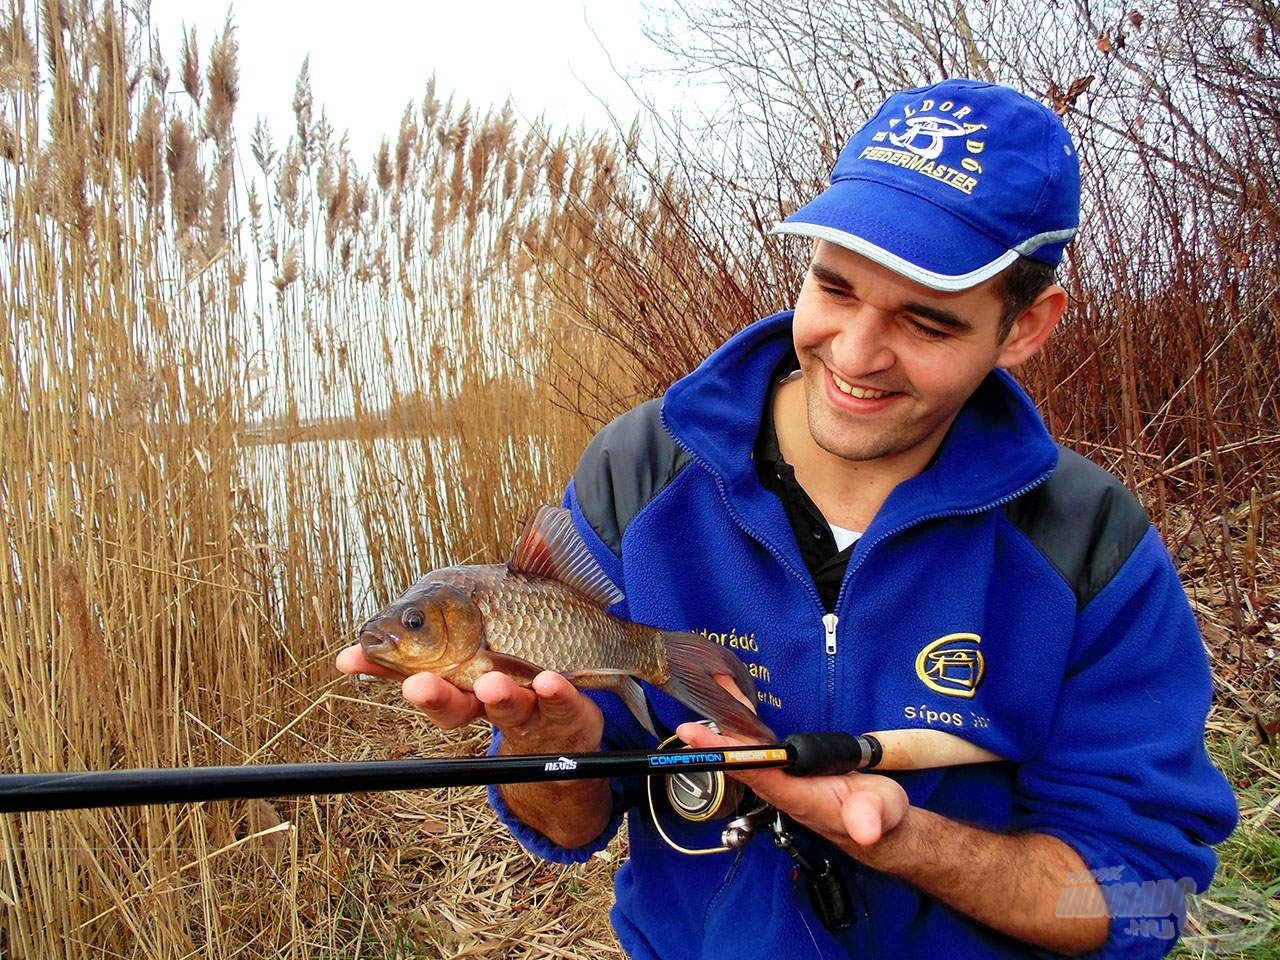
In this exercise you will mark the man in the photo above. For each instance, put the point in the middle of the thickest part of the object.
(858, 498)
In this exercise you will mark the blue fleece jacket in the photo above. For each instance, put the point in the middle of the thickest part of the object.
(1012, 593)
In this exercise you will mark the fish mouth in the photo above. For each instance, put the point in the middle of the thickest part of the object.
(374, 641)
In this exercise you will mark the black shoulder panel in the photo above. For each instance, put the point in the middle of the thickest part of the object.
(625, 466)
(1084, 521)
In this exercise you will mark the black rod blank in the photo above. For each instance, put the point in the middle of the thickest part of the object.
(804, 753)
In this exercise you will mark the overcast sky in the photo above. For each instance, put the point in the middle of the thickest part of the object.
(371, 57)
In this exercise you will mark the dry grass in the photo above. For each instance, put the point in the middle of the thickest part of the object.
(426, 873)
(241, 406)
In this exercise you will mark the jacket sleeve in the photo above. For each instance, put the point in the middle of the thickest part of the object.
(1124, 777)
(536, 843)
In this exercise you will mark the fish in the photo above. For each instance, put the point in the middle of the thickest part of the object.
(547, 608)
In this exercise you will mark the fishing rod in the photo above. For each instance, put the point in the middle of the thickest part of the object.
(805, 754)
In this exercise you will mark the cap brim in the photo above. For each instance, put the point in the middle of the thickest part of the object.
(901, 232)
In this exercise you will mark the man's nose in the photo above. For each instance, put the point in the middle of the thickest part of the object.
(863, 344)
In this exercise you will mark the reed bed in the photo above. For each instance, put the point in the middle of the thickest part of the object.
(251, 391)
(242, 406)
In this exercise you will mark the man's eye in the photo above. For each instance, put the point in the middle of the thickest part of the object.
(926, 331)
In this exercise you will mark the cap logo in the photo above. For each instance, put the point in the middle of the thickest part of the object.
(922, 133)
(949, 184)
(933, 131)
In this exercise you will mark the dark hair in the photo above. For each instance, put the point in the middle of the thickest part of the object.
(1019, 285)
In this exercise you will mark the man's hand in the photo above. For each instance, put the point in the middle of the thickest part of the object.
(551, 716)
(1010, 882)
(853, 811)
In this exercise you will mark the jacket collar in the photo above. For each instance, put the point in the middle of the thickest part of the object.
(997, 447)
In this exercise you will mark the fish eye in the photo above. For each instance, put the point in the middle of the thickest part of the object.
(413, 619)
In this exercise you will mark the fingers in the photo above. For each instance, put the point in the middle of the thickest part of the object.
(495, 696)
(506, 704)
(862, 807)
(802, 798)
(352, 660)
(700, 735)
(550, 716)
(444, 704)
(559, 700)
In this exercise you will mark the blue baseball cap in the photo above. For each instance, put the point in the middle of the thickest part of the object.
(948, 184)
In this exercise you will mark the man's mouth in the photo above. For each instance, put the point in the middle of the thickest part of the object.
(859, 393)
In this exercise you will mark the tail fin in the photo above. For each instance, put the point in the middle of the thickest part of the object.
(695, 662)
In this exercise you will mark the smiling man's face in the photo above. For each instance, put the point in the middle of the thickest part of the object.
(888, 363)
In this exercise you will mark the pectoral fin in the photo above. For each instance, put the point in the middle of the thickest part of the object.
(520, 670)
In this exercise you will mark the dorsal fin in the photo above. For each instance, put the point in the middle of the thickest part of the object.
(550, 546)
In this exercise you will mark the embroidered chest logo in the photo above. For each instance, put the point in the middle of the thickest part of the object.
(953, 665)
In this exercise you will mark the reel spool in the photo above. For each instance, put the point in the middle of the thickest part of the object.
(706, 795)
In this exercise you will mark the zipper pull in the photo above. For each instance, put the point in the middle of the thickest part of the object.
(829, 622)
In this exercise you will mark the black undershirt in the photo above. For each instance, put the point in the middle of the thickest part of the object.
(813, 534)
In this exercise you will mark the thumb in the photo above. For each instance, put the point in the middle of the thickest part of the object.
(862, 814)
(873, 808)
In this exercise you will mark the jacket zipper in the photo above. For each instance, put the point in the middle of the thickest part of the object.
(805, 580)
(829, 623)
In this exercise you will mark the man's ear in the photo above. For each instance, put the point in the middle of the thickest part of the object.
(1032, 327)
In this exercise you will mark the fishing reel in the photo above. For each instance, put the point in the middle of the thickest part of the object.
(705, 795)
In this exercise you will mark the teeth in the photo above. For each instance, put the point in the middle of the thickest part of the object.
(858, 392)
